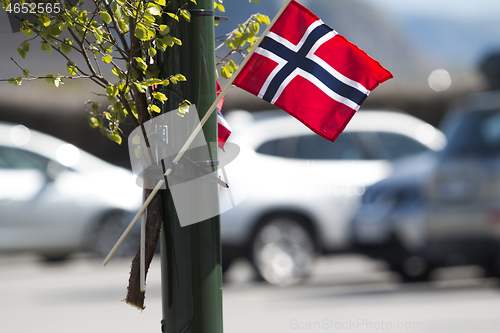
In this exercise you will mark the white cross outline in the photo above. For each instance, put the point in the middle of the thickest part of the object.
(300, 72)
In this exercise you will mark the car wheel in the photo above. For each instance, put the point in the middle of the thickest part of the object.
(413, 269)
(492, 268)
(55, 258)
(283, 251)
(109, 231)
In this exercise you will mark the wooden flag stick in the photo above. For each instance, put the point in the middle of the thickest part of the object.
(193, 136)
(143, 254)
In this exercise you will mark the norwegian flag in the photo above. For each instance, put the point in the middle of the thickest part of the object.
(223, 128)
(310, 71)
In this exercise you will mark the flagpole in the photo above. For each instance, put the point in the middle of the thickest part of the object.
(194, 134)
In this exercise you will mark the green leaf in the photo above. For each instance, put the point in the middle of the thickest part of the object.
(108, 48)
(112, 100)
(44, 19)
(177, 41)
(115, 138)
(97, 34)
(228, 69)
(49, 78)
(154, 70)
(164, 29)
(166, 41)
(47, 47)
(154, 9)
(256, 1)
(172, 15)
(105, 17)
(159, 96)
(219, 6)
(21, 52)
(263, 19)
(160, 2)
(151, 52)
(152, 81)
(186, 15)
(180, 77)
(55, 29)
(23, 49)
(154, 108)
(141, 63)
(140, 87)
(225, 73)
(116, 71)
(253, 28)
(26, 72)
(94, 121)
(141, 33)
(232, 66)
(161, 45)
(6, 4)
(27, 31)
(95, 105)
(65, 48)
(17, 81)
(122, 114)
(71, 68)
(112, 91)
(107, 58)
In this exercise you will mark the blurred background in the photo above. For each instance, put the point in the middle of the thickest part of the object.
(399, 220)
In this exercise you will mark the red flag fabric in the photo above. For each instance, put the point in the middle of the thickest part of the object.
(310, 71)
(223, 128)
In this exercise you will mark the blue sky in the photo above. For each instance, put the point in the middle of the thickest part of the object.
(458, 9)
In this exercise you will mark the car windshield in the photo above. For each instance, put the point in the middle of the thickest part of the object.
(474, 133)
(12, 158)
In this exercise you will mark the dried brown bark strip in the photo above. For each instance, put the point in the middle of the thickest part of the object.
(135, 296)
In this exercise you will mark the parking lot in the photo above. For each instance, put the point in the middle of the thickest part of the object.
(345, 294)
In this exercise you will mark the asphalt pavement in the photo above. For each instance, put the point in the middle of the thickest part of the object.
(345, 294)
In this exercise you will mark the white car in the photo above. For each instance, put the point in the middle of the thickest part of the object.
(55, 199)
(304, 190)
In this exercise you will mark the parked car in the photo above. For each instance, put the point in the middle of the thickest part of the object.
(440, 209)
(306, 189)
(56, 199)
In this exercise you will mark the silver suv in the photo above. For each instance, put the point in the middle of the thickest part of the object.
(303, 190)
(440, 209)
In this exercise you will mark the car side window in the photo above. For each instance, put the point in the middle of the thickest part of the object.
(15, 158)
(279, 147)
(475, 134)
(313, 147)
(390, 146)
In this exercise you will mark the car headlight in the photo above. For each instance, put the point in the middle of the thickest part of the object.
(378, 202)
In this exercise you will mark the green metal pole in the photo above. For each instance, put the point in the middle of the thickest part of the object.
(190, 256)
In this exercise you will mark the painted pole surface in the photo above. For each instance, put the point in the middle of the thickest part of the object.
(190, 256)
